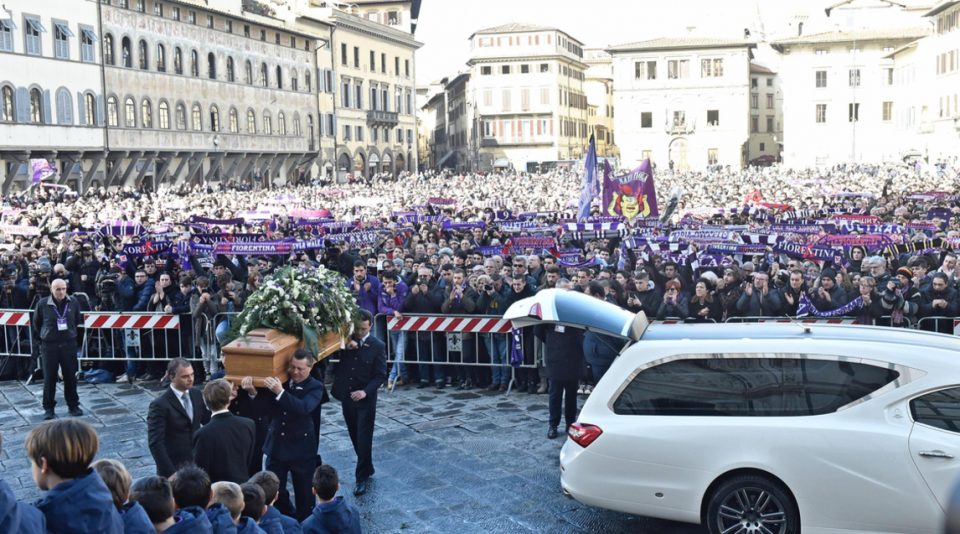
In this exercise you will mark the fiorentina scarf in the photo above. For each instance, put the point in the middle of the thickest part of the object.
(807, 308)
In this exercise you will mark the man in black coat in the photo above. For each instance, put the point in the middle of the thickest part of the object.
(563, 358)
(361, 371)
(55, 323)
(173, 417)
(291, 444)
(426, 296)
(224, 446)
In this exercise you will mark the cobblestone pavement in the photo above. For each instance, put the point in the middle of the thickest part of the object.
(447, 461)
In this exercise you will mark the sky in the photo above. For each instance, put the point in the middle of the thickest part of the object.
(444, 26)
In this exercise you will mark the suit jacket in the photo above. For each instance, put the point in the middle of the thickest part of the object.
(362, 368)
(224, 446)
(170, 431)
(291, 435)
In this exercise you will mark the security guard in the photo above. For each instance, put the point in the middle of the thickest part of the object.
(55, 322)
(361, 371)
(291, 444)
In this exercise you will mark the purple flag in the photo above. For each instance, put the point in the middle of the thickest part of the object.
(630, 195)
(41, 169)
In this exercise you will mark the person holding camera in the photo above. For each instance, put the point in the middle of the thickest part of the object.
(461, 299)
(674, 302)
(426, 296)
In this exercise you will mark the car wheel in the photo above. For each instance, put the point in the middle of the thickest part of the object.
(751, 504)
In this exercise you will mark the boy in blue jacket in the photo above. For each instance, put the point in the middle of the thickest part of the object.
(226, 509)
(77, 500)
(272, 521)
(332, 514)
(18, 517)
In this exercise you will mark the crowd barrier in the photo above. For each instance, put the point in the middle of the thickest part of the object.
(434, 341)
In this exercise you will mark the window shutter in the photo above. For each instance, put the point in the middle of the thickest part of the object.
(23, 104)
(99, 111)
(47, 116)
(81, 109)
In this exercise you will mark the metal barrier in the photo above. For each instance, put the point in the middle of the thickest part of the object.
(135, 336)
(464, 342)
(785, 319)
(940, 324)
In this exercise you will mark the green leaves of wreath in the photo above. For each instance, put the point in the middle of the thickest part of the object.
(305, 303)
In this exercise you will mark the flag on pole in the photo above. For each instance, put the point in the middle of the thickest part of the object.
(590, 182)
(42, 169)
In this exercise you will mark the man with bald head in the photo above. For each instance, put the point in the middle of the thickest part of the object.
(54, 324)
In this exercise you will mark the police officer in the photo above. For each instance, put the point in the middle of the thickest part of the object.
(55, 322)
(291, 443)
(361, 371)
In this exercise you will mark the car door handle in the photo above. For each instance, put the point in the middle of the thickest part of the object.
(936, 454)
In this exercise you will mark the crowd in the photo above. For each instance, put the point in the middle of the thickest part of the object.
(874, 244)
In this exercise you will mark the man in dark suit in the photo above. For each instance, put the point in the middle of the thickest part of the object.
(361, 371)
(173, 417)
(223, 446)
(291, 444)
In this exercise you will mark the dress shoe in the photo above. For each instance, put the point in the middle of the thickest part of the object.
(503, 387)
(493, 387)
(360, 488)
(543, 387)
(552, 433)
(76, 411)
(48, 415)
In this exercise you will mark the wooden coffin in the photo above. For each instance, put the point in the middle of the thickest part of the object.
(267, 352)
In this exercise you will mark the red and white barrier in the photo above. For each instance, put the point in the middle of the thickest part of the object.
(821, 320)
(471, 325)
(15, 318)
(154, 321)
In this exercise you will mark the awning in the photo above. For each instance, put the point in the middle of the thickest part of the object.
(501, 163)
(63, 28)
(88, 33)
(445, 158)
(35, 25)
(8, 24)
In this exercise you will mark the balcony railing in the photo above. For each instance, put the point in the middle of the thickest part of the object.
(680, 127)
(382, 118)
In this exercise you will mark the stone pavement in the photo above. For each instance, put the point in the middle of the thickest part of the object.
(447, 461)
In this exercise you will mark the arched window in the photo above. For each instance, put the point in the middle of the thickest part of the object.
(161, 58)
(130, 113)
(125, 53)
(279, 77)
(231, 77)
(214, 119)
(181, 116)
(36, 106)
(108, 56)
(293, 81)
(309, 128)
(234, 121)
(306, 80)
(163, 115)
(6, 111)
(263, 74)
(177, 60)
(281, 124)
(143, 62)
(267, 124)
(113, 114)
(212, 66)
(196, 117)
(296, 126)
(64, 106)
(248, 73)
(146, 114)
(89, 109)
(251, 122)
(194, 64)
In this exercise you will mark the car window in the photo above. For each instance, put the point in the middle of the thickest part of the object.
(940, 409)
(750, 387)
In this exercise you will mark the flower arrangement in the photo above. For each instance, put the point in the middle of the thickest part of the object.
(305, 303)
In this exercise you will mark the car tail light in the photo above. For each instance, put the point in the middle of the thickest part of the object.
(583, 434)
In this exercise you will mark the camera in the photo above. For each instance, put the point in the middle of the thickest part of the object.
(488, 287)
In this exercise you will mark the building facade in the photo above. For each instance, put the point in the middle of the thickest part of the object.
(839, 96)
(197, 94)
(527, 85)
(51, 95)
(766, 116)
(598, 87)
(682, 102)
